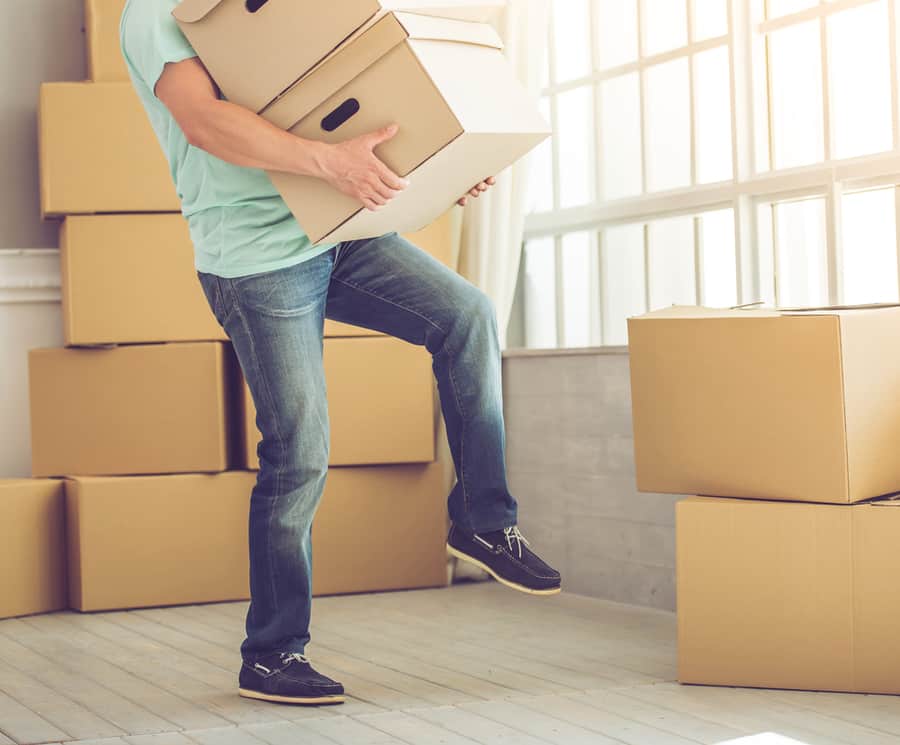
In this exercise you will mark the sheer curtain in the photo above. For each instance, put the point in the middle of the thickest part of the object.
(491, 242)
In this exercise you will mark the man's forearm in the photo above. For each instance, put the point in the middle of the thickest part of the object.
(237, 135)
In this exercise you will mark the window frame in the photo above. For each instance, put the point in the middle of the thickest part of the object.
(752, 192)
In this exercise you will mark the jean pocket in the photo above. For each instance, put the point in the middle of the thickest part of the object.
(293, 291)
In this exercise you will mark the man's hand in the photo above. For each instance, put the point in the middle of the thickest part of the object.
(476, 190)
(352, 168)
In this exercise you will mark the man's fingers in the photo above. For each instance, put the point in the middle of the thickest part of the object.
(391, 179)
(462, 201)
(490, 181)
(379, 187)
(381, 135)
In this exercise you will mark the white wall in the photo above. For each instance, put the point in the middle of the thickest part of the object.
(40, 40)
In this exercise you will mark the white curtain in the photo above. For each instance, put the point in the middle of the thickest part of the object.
(491, 246)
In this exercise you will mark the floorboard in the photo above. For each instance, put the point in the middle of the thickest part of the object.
(474, 664)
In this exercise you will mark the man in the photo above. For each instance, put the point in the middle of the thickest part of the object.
(271, 290)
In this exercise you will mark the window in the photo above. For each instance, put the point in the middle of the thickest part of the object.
(719, 152)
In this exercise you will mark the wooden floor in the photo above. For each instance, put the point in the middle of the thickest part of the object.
(470, 664)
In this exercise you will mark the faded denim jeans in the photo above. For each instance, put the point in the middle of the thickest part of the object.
(275, 322)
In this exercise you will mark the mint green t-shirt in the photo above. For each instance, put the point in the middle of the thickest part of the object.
(239, 224)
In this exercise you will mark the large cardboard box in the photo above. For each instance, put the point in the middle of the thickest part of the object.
(105, 62)
(789, 595)
(32, 547)
(255, 49)
(160, 408)
(461, 112)
(157, 540)
(395, 520)
(191, 545)
(796, 405)
(381, 403)
(131, 279)
(440, 239)
(98, 152)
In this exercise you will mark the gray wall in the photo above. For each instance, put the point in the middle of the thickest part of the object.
(40, 40)
(571, 468)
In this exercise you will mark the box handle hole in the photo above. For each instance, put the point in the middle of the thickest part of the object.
(340, 115)
(254, 5)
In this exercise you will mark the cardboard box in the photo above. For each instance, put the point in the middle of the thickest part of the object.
(789, 595)
(192, 543)
(440, 239)
(32, 547)
(131, 279)
(255, 49)
(105, 62)
(796, 405)
(381, 403)
(98, 152)
(161, 408)
(461, 112)
(157, 540)
(395, 520)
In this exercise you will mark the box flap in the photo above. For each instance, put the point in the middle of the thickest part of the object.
(191, 11)
(482, 11)
(430, 28)
(697, 311)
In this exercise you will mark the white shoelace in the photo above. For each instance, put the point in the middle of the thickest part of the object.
(288, 656)
(513, 534)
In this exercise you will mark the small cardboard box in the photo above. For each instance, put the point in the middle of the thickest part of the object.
(788, 595)
(160, 408)
(157, 540)
(795, 405)
(98, 152)
(394, 517)
(440, 239)
(255, 49)
(381, 403)
(462, 117)
(131, 279)
(105, 62)
(32, 547)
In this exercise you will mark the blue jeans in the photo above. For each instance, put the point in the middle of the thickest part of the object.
(275, 323)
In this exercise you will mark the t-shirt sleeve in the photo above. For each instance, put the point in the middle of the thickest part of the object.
(151, 38)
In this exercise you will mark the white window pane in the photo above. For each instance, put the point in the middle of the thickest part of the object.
(718, 262)
(665, 25)
(801, 269)
(710, 19)
(712, 88)
(545, 68)
(668, 125)
(617, 32)
(571, 34)
(870, 247)
(576, 279)
(861, 80)
(542, 170)
(540, 293)
(796, 89)
(620, 136)
(671, 257)
(622, 270)
(575, 134)
(776, 8)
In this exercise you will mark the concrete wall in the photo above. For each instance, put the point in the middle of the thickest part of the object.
(571, 468)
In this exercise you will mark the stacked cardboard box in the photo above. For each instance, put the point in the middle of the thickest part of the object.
(788, 423)
(142, 415)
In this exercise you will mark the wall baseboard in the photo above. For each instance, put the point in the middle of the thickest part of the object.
(29, 275)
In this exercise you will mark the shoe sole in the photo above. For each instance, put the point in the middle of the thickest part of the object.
(514, 585)
(307, 701)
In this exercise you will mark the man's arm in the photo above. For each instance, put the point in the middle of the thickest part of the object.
(237, 135)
